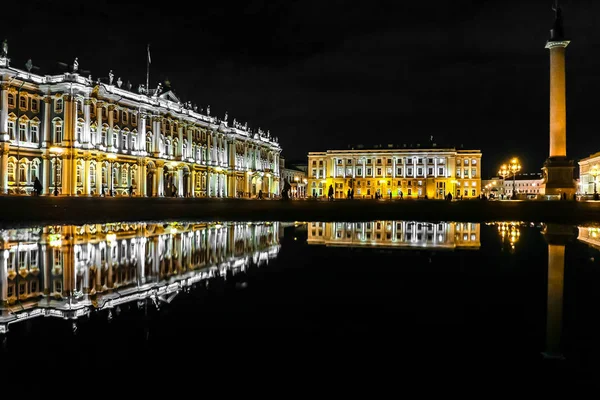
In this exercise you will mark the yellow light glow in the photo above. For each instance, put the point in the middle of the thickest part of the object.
(111, 156)
(56, 150)
(111, 237)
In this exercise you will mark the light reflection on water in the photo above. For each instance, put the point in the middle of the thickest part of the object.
(72, 271)
(67, 271)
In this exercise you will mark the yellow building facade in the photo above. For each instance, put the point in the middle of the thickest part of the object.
(395, 173)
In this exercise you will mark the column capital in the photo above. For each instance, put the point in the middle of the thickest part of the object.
(112, 107)
(48, 99)
(87, 102)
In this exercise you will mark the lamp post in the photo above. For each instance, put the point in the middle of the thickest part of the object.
(56, 151)
(503, 172)
(594, 172)
(305, 181)
(514, 168)
(454, 182)
(112, 157)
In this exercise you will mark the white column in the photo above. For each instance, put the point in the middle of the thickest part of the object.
(4, 111)
(47, 122)
(141, 143)
(180, 182)
(99, 109)
(110, 133)
(87, 137)
(180, 142)
(3, 276)
(86, 176)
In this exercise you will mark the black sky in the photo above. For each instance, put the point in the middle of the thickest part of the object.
(324, 74)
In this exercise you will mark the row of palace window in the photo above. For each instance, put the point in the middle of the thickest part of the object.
(399, 170)
(316, 173)
(409, 161)
(24, 102)
(123, 114)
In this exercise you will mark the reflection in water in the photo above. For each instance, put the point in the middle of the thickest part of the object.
(396, 234)
(510, 233)
(66, 271)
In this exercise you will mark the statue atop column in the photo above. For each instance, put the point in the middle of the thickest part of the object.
(5, 48)
(119, 82)
(75, 65)
(557, 32)
(111, 76)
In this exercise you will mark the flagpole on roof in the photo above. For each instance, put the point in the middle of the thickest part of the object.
(148, 72)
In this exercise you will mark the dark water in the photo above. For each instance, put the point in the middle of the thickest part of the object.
(364, 298)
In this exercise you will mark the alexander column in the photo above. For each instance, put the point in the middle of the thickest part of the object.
(558, 170)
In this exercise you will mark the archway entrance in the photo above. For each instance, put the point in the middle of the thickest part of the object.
(186, 182)
(256, 185)
(149, 183)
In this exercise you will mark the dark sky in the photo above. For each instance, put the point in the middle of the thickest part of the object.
(324, 74)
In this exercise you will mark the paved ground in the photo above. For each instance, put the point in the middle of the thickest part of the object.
(19, 211)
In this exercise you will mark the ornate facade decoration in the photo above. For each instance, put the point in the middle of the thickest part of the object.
(85, 138)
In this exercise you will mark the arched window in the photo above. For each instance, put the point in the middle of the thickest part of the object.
(103, 136)
(79, 131)
(93, 135)
(115, 176)
(11, 130)
(11, 171)
(23, 171)
(93, 174)
(149, 144)
(58, 131)
(133, 173)
(23, 132)
(104, 175)
(58, 106)
(79, 172)
(11, 100)
(34, 132)
(115, 139)
(124, 140)
(124, 174)
(34, 170)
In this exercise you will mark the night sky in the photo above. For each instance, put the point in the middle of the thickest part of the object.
(323, 75)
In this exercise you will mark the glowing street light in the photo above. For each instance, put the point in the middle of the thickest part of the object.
(57, 151)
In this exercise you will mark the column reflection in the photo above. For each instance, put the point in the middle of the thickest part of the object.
(66, 271)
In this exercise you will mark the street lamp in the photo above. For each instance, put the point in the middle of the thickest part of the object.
(112, 157)
(514, 168)
(503, 172)
(56, 151)
(594, 172)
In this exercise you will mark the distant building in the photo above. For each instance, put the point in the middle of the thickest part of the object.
(296, 177)
(529, 185)
(586, 173)
(396, 172)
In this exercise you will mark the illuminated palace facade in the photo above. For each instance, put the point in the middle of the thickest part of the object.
(84, 138)
(67, 271)
(396, 234)
(396, 172)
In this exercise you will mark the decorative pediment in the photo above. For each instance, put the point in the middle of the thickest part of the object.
(170, 96)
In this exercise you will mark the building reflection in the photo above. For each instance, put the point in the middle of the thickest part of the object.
(589, 235)
(396, 234)
(67, 271)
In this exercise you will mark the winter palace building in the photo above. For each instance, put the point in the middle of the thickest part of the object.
(397, 172)
(81, 137)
